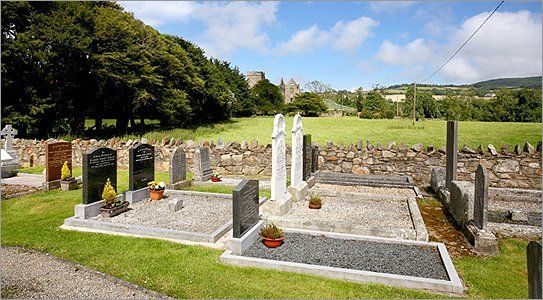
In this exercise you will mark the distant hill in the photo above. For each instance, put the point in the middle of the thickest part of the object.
(526, 82)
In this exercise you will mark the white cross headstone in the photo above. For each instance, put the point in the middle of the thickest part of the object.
(297, 152)
(279, 176)
(9, 132)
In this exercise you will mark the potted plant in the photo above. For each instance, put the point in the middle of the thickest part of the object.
(67, 182)
(156, 189)
(315, 202)
(112, 206)
(272, 236)
(216, 177)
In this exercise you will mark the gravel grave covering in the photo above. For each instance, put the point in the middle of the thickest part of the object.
(366, 189)
(36, 275)
(15, 190)
(200, 213)
(346, 212)
(399, 259)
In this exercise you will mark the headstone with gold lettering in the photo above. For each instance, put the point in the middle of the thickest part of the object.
(55, 155)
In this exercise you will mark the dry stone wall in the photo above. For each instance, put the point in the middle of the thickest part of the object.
(517, 167)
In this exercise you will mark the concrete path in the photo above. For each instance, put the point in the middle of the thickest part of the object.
(36, 275)
(33, 180)
(264, 184)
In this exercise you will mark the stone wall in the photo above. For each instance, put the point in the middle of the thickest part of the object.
(518, 168)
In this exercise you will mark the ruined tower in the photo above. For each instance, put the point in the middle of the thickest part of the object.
(253, 77)
(289, 90)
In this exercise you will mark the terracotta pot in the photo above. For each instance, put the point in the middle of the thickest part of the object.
(156, 195)
(215, 179)
(315, 206)
(273, 243)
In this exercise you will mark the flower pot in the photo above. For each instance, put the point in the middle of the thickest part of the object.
(215, 179)
(156, 195)
(113, 211)
(315, 206)
(273, 243)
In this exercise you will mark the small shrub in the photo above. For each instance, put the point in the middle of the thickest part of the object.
(315, 200)
(65, 171)
(109, 195)
(271, 232)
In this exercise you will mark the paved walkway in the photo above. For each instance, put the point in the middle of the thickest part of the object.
(36, 275)
(33, 180)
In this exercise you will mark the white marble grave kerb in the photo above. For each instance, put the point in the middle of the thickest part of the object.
(296, 177)
(279, 176)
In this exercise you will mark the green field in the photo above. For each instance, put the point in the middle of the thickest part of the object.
(349, 130)
(195, 272)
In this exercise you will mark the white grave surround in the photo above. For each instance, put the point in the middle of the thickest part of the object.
(280, 201)
(298, 188)
(9, 165)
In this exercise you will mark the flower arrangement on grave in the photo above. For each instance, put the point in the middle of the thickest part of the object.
(67, 182)
(156, 189)
(65, 171)
(216, 177)
(112, 206)
(272, 236)
(315, 201)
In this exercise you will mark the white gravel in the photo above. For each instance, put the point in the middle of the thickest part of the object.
(366, 189)
(35, 275)
(203, 214)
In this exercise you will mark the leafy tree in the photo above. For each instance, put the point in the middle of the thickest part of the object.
(266, 98)
(318, 87)
(374, 106)
(307, 104)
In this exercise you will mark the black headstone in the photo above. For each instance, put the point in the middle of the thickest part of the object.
(98, 165)
(307, 157)
(178, 166)
(533, 253)
(452, 152)
(245, 207)
(315, 159)
(141, 169)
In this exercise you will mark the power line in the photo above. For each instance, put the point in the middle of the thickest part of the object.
(471, 36)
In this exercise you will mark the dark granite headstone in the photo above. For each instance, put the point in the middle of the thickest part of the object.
(315, 159)
(55, 156)
(178, 166)
(480, 202)
(533, 254)
(245, 207)
(141, 169)
(98, 165)
(452, 152)
(307, 157)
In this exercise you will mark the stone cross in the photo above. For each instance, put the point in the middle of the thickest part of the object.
(480, 202)
(452, 152)
(533, 254)
(297, 152)
(9, 132)
(279, 167)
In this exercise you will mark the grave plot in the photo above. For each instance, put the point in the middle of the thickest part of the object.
(202, 217)
(401, 263)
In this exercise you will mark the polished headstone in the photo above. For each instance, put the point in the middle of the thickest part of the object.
(98, 165)
(55, 155)
(141, 168)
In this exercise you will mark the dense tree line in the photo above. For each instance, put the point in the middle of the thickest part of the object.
(64, 62)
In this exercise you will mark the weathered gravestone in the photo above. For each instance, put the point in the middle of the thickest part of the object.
(481, 198)
(452, 152)
(314, 159)
(202, 164)
(9, 133)
(9, 162)
(307, 157)
(296, 165)
(178, 169)
(533, 254)
(98, 165)
(245, 207)
(141, 170)
(55, 155)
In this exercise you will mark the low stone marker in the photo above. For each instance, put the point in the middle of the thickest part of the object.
(452, 152)
(141, 170)
(98, 165)
(178, 170)
(202, 164)
(55, 156)
(175, 204)
(245, 207)
(533, 254)
(307, 157)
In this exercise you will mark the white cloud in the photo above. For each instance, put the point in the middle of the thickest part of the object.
(509, 45)
(227, 25)
(390, 6)
(346, 36)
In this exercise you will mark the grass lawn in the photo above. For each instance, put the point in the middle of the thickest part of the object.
(349, 130)
(195, 272)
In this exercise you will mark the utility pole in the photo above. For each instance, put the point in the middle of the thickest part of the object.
(414, 101)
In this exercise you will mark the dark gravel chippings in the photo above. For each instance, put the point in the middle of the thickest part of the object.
(410, 260)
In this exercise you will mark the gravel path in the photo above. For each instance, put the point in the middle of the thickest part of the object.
(366, 189)
(35, 275)
(347, 212)
(200, 213)
(381, 257)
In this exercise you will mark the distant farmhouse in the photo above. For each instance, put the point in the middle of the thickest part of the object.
(289, 90)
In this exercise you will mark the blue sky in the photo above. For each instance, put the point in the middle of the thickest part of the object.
(359, 44)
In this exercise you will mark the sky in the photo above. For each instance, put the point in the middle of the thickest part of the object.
(359, 44)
